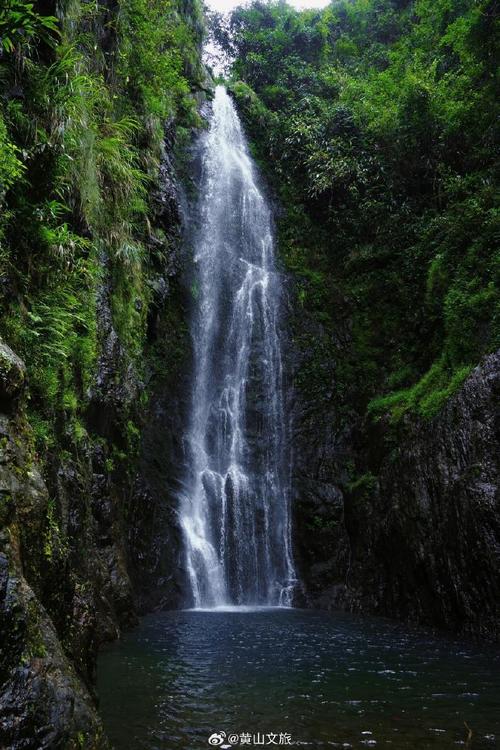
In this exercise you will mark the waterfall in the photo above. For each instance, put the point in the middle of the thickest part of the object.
(235, 506)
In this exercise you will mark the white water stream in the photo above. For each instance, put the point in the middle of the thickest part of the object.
(235, 509)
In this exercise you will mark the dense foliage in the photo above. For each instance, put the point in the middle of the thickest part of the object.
(84, 98)
(377, 118)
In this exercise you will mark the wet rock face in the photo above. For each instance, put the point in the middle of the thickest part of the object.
(321, 447)
(87, 546)
(437, 533)
(418, 535)
(43, 702)
(155, 541)
(12, 377)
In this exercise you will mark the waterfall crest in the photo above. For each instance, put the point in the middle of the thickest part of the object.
(235, 507)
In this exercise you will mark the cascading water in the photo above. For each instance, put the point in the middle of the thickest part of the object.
(235, 506)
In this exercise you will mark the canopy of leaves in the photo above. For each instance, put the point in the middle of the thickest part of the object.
(379, 118)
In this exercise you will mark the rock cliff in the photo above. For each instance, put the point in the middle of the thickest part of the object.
(88, 539)
(417, 534)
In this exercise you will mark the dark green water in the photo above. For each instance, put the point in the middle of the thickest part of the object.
(328, 680)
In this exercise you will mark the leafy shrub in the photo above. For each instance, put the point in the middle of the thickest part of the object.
(21, 25)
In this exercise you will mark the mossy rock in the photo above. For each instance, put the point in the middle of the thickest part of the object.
(12, 376)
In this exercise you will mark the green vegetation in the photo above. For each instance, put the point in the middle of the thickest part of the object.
(21, 26)
(376, 120)
(84, 101)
